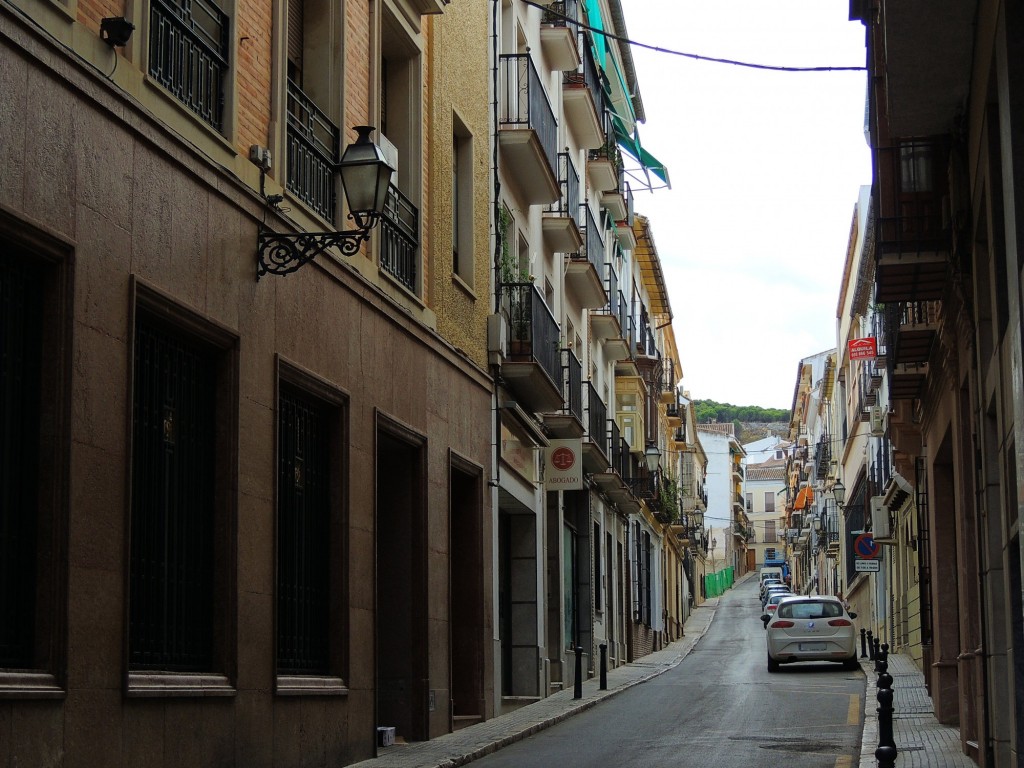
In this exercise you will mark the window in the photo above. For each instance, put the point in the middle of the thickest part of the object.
(180, 611)
(750, 502)
(34, 379)
(313, 139)
(401, 126)
(188, 54)
(598, 582)
(462, 202)
(309, 504)
(770, 536)
(769, 501)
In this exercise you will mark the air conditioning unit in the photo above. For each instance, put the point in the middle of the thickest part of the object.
(879, 518)
(877, 421)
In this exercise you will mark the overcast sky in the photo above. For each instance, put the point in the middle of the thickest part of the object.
(765, 169)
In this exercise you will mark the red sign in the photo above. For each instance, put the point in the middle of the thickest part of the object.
(563, 458)
(865, 546)
(863, 349)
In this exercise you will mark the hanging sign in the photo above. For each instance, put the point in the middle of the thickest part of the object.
(863, 349)
(563, 465)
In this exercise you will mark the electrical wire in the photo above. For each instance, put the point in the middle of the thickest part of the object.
(694, 56)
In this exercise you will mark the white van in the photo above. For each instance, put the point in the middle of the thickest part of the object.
(772, 572)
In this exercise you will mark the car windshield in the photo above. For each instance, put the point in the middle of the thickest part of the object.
(810, 609)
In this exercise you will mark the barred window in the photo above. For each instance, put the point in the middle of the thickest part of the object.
(173, 505)
(303, 534)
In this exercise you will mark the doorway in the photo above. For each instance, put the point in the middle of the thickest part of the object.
(466, 595)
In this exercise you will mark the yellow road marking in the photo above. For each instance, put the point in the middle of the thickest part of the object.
(853, 713)
(844, 761)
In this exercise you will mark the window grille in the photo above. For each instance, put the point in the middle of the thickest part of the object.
(303, 534)
(20, 366)
(172, 513)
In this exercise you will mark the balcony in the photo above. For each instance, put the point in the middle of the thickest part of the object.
(312, 144)
(568, 421)
(912, 327)
(609, 323)
(823, 457)
(399, 239)
(188, 54)
(527, 130)
(532, 369)
(583, 101)
(583, 270)
(560, 225)
(626, 365)
(913, 221)
(558, 37)
(595, 439)
(612, 482)
(604, 164)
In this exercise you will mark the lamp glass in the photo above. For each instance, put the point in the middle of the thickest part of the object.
(839, 492)
(365, 175)
(653, 455)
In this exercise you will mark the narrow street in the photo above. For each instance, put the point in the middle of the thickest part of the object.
(719, 708)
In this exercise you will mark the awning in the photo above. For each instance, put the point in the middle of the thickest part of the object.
(804, 498)
(631, 143)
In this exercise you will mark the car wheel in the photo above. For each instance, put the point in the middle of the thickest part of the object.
(773, 665)
(851, 663)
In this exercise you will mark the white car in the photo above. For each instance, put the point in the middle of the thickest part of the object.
(815, 628)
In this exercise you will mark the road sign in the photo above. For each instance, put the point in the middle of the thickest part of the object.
(865, 546)
(862, 564)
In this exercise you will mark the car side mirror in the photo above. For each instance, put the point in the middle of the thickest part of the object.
(852, 614)
(765, 618)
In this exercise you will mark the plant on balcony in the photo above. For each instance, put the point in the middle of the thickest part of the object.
(668, 497)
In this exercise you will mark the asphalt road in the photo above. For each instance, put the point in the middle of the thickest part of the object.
(719, 708)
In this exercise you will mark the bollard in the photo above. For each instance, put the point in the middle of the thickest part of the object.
(871, 646)
(863, 643)
(877, 656)
(604, 667)
(577, 688)
(886, 752)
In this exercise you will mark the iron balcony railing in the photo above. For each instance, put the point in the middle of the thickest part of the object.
(823, 456)
(572, 384)
(524, 103)
(912, 188)
(610, 149)
(312, 146)
(616, 450)
(532, 328)
(596, 417)
(562, 13)
(594, 240)
(568, 202)
(188, 54)
(588, 76)
(399, 238)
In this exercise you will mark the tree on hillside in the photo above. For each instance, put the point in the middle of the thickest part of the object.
(709, 411)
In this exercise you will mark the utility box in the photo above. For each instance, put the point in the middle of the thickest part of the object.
(385, 735)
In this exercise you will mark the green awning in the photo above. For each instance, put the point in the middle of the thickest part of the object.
(631, 143)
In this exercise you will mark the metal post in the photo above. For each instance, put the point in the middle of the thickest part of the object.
(604, 667)
(871, 646)
(877, 656)
(863, 643)
(577, 688)
(886, 752)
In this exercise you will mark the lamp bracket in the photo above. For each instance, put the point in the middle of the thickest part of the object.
(281, 254)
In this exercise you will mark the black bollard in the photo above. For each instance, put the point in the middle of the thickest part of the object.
(877, 656)
(886, 752)
(863, 643)
(577, 688)
(604, 667)
(871, 646)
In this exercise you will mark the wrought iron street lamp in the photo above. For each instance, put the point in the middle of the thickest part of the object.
(365, 177)
(653, 456)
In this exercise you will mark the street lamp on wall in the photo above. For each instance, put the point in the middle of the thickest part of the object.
(365, 178)
(653, 456)
(839, 493)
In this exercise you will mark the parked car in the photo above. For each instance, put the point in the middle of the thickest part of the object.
(782, 588)
(772, 604)
(815, 628)
(773, 582)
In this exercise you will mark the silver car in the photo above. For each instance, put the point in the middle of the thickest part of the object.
(811, 629)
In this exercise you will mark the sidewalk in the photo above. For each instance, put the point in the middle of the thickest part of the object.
(920, 739)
